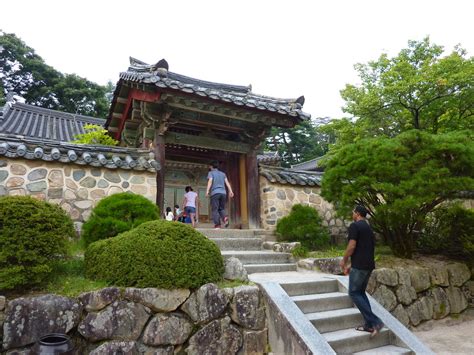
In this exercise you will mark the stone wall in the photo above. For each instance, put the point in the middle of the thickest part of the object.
(416, 294)
(77, 189)
(141, 321)
(277, 200)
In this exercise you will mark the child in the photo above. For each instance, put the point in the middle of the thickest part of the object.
(169, 214)
(177, 213)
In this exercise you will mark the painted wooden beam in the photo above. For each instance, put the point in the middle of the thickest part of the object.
(206, 142)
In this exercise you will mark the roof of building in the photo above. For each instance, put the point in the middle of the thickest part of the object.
(289, 176)
(312, 164)
(36, 122)
(81, 154)
(243, 96)
(35, 133)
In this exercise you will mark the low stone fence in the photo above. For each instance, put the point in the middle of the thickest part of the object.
(416, 294)
(277, 200)
(141, 321)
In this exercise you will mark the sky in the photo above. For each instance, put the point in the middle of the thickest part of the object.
(282, 48)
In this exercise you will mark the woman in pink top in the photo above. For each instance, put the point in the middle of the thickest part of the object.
(190, 202)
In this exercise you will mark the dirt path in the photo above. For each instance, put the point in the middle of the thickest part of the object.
(448, 337)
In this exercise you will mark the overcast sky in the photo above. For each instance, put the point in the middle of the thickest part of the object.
(283, 48)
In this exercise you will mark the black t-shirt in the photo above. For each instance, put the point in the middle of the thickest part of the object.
(363, 256)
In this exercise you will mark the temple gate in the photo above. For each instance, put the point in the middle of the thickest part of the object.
(188, 123)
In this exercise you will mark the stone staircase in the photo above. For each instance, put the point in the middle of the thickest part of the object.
(328, 307)
(246, 245)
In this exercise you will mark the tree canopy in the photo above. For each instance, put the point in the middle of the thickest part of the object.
(400, 180)
(417, 89)
(301, 143)
(95, 134)
(24, 72)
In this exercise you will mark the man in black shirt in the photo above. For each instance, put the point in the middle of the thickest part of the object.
(360, 248)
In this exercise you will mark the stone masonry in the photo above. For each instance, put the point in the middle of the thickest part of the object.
(277, 200)
(77, 189)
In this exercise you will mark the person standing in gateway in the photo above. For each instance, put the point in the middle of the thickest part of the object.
(360, 248)
(216, 184)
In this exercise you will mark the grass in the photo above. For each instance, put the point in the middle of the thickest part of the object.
(381, 252)
(68, 279)
(233, 283)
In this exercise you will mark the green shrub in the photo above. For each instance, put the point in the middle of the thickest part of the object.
(449, 230)
(303, 225)
(300, 252)
(116, 214)
(156, 254)
(33, 234)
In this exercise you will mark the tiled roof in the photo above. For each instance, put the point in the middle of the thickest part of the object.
(80, 154)
(268, 158)
(289, 176)
(159, 75)
(312, 164)
(36, 122)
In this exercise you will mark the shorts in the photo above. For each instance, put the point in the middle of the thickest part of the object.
(189, 209)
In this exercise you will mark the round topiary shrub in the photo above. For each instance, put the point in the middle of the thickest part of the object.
(303, 225)
(116, 214)
(156, 254)
(33, 234)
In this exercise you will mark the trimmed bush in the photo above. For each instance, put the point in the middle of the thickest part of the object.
(449, 230)
(303, 225)
(33, 234)
(156, 254)
(116, 214)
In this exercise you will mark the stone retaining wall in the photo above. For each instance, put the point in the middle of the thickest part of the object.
(75, 188)
(277, 200)
(416, 294)
(141, 321)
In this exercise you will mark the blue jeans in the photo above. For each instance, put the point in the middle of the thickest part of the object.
(358, 280)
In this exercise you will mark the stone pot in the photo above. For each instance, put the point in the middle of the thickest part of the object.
(53, 344)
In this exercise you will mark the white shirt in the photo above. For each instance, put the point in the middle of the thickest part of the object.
(190, 199)
(169, 216)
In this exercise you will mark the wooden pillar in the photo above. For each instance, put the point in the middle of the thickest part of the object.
(235, 210)
(159, 149)
(243, 192)
(253, 190)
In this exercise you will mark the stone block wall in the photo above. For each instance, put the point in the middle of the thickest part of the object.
(416, 294)
(141, 321)
(77, 189)
(277, 200)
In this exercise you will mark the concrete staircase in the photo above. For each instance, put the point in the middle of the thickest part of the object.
(328, 307)
(246, 245)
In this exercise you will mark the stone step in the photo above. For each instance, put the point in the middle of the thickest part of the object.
(238, 243)
(251, 257)
(349, 341)
(231, 233)
(254, 268)
(330, 321)
(386, 350)
(306, 288)
(322, 302)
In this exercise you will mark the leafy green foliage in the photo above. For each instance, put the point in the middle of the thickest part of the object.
(26, 73)
(33, 234)
(298, 144)
(156, 254)
(94, 134)
(116, 214)
(400, 180)
(300, 252)
(68, 278)
(303, 225)
(449, 230)
(417, 89)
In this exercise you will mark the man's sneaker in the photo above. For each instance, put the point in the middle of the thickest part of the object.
(226, 222)
(217, 226)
